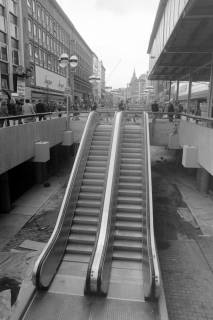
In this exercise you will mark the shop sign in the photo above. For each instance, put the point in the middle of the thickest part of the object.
(21, 87)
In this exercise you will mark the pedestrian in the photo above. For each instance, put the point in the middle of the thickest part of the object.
(11, 105)
(3, 112)
(171, 111)
(27, 109)
(94, 106)
(40, 108)
(121, 106)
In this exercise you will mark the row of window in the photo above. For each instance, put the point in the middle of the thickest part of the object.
(45, 39)
(45, 59)
(49, 61)
(4, 55)
(43, 17)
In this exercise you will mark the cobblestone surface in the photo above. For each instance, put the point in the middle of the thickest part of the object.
(186, 256)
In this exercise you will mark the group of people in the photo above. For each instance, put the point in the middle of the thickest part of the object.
(172, 108)
(12, 107)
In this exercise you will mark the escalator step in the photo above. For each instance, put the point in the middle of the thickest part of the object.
(131, 172)
(132, 150)
(87, 211)
(129, 186)
(97, 158)
(127, 256)
(95, 164)
(128, 235)
(74, 257)
(91, 175)
(93, 153)
(130, 192)
(127, 225)
(82, 238)
(86, 220)
(134, 179)
(130, 208)
(89, 203)
(83, 229)
(131, 160)
(90, 196)
(79, 248)
(92, 182)
(131, 145)
(129, 217)
(134, 155)
(90, 169)
(91, 189)
(130, 200)
(127, 245)
(132, 166)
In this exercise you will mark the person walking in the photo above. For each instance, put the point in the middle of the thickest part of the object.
(27, 109)
(40, 108)
(3, 112)
(171, 111)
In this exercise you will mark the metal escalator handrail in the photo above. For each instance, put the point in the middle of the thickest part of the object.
(154, 264)
(102, 243)
(50, 258)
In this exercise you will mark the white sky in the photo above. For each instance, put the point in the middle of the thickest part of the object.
(117, 31)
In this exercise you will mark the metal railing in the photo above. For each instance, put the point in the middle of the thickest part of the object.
(153, 287)
(98, 273)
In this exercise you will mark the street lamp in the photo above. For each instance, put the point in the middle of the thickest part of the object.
(94, 80)
(64, 62)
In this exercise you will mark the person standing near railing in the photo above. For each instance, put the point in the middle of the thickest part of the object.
(171, 111)
(27, 109)
(3, 112)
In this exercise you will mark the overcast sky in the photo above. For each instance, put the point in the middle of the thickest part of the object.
(117, 31)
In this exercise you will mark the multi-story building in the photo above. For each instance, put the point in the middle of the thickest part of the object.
(48, 33)
(33, 35)
(11, 49)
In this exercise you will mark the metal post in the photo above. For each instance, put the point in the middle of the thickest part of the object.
(67, 85)
(210, 95)
(189, 93)
(170, 88)
(177, 91)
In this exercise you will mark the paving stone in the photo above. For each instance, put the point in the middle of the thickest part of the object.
(188, 281)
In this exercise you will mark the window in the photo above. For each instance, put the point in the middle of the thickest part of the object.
(2, 11)
(29, 26)
(3, 53)
(36, 55)
(41, 57)
(39, 13)
(35, 31)
(13, 19)
(3, 37)
(34, 7)
(15, 57)
(13, 7)
(39, 35)
(4, 81)
(29, 3)
(44, 39)
(14, 43)
(45, 60)
(49, 64)
(30, 51)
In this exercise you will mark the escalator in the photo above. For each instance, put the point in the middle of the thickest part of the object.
(100, 262)
(86, 217)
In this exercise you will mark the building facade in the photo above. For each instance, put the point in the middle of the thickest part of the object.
(33, 35)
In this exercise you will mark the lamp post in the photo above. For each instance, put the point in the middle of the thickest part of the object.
(94, 80)
(65, 61)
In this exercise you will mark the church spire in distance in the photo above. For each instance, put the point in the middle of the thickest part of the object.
(134, 76)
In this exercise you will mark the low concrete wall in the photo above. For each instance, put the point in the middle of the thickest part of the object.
(17, 142)
(160, 130)
(77, 126)
(193, 134)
